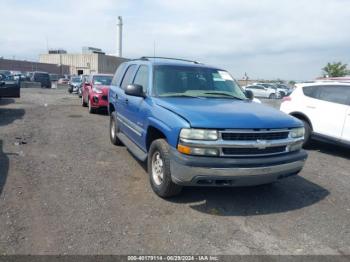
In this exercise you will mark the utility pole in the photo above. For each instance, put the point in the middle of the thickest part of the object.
(120, 39)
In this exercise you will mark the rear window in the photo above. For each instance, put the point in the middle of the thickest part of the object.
(41, 76)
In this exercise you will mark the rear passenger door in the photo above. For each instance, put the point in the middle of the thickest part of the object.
(123, 117)
(329, 110)
(136, 107)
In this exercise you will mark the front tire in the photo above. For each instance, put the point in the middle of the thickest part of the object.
(114, 129)
(91, 109)
(159, 170)
(308, 132)
(83, 103)
(272, 96)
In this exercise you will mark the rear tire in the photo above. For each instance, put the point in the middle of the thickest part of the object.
(159, 170)
(308, 132)
(114, 130)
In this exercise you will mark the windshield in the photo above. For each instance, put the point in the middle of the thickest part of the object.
(102, 80)
(195, 82)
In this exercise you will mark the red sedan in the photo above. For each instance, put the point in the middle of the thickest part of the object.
(95, 91)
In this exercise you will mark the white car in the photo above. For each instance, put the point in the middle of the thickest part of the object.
(324, 108)
(262, 91)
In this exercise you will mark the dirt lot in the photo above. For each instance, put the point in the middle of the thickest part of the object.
(64, 189)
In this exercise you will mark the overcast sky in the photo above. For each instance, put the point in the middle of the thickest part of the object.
(266, 38)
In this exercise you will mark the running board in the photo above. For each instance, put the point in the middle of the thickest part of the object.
(134, 149)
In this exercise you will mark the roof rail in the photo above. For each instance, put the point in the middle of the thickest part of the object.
(169, 58)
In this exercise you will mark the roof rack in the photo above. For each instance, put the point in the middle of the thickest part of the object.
(170, 58)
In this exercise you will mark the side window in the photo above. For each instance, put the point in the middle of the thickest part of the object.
(142, 77)
(128, 76)
(118, 75)
(334, 94)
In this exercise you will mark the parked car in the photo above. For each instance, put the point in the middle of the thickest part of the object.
(80, 89)
(5, 72)
(95, 91)
(324, 108)
(195, 126)
(54, 77)
(9, 86)
(42, 77)
(283, 90)
(262, 91)
(74, 84)
(63, 81)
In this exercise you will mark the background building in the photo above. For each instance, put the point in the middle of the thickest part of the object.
(91, 60)
(28, 66)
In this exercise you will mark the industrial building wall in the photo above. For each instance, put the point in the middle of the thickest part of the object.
(108, 64)
(28, 66)
(79, 63)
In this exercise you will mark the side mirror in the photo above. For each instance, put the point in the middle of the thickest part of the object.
(135, 90)
(249, 94)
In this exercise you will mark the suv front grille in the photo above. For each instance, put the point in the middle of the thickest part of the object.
(254, 136)
(254, 151)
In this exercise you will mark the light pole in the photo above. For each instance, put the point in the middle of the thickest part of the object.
(120, 40)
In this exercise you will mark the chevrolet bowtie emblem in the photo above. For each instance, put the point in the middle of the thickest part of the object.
(261, 144)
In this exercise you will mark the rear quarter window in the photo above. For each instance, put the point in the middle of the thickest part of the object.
(310, 91)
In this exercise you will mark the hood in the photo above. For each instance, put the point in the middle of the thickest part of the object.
(227, 113)
(103, 88)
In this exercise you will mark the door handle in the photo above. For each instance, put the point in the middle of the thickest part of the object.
(116, 96)
(311, 107)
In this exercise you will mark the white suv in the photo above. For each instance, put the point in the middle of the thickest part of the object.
(263, 91)
(324, 108)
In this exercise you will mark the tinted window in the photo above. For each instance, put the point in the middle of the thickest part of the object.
(118, 75)
(142, 78)
(128, 77)
(310, 91)
(335, 94)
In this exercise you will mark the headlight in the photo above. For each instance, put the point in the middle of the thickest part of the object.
(297, 132)
(198, 134)
(97, 90)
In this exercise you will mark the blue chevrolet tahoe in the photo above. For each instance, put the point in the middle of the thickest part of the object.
(195, 126)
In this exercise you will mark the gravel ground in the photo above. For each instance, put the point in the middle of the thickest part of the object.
(65, 189)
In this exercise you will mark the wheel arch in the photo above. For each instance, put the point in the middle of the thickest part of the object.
(111, 108)
(153, 133)
(302, 116)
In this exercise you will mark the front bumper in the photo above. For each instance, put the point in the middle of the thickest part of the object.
(213, 171)
(99, 100)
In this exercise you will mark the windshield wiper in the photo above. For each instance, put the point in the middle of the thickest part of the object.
(181, 95)
(224, 94)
